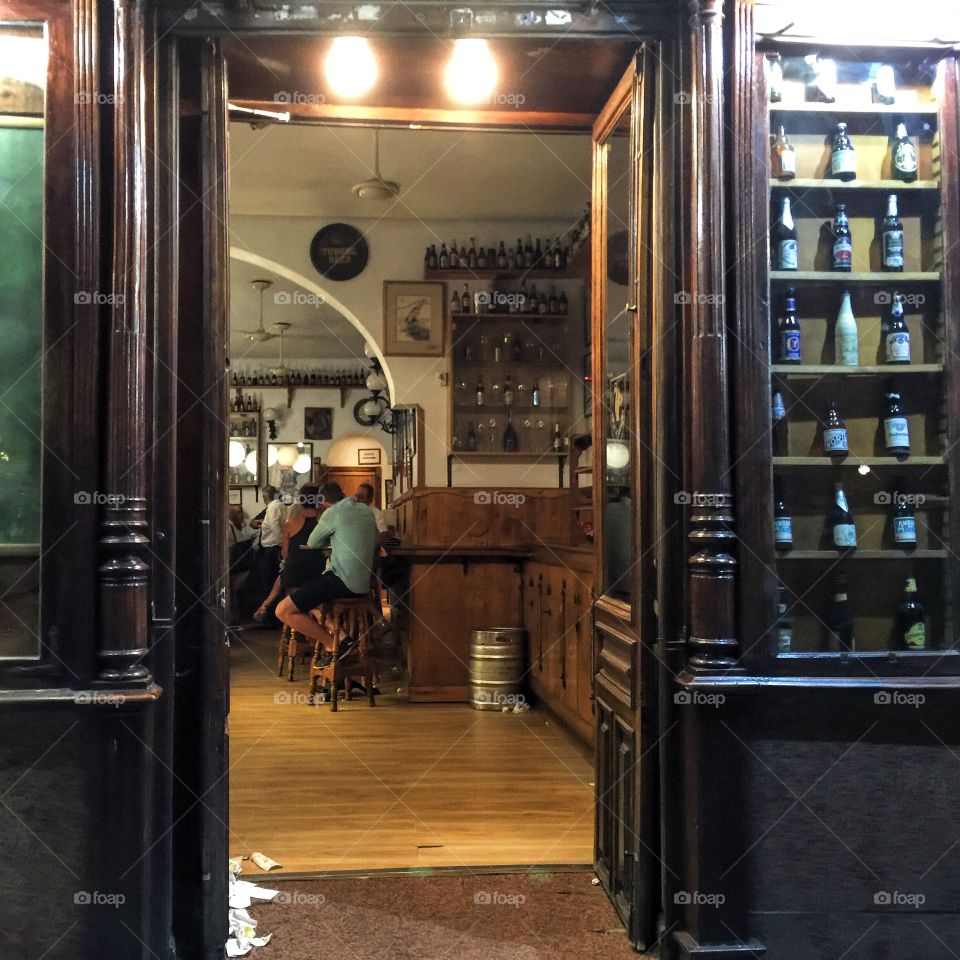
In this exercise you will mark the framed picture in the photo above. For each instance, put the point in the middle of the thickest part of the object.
(318, 423)
(413, 318)
(368, 456)
(234, 497)
(289, 466)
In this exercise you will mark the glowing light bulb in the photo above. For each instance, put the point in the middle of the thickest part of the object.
(618, 454)
(287, 455)
(237, 452)
(472, 72)
(251, 462)
(302, 464)
(350, 68)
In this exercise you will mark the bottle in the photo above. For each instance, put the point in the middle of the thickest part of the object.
(455, 263)
(896, 430)
(501, 257)
(779, 418)
(480, 391)
(782, 525)
(464, 258)
(483, 261)
(840, 520)
(471, 437)
(510, 442)
(784, 624)
(444, 258)
(846, 343)
(528, 253)
(559, 256)
(465, 300)
(785, 239)
(834, 433)
(498, 351)
(891, 237)
(508, 391)
(431, 259)
(898, 335)
(472, 255)
(557, 438)
(911, 625)
(843, 158)
(519, 258)
(839, 621)
(842, 241)
(538, 255)
(784, 159)
(790, 329)
(904, 156)
(903, 522)
(455, 302)
(776, 79)
(535, 395)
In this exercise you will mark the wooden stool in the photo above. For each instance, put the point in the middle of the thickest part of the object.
(289, 648)
(351, 617)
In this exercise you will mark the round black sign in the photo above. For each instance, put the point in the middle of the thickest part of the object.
(339, 251)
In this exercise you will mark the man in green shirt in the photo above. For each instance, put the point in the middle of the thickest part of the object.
(350, 530)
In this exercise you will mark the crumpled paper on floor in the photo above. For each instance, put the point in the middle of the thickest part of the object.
(243, 927)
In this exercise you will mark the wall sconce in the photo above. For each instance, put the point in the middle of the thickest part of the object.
(270, 415)
(375, 409)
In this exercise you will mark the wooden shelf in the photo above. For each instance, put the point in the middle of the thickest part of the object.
(891, 554)
(904, 109)
(502, 455)
(800, 183)
(867, 654)
(488, 274)
(510, 316)
(855, 461)
(854, 276)
(830, 369)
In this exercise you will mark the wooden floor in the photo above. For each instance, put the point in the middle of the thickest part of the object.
(398, 786)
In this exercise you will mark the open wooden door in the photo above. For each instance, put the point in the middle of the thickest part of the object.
(622, 304)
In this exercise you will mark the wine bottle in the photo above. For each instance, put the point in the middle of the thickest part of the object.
(779, 417)
(840, 520)
(508, 391)
(559, 256)
(782, 525)
(897, 334)
(846, 342)
(528, 253)
(896, 429)
(455, 302)
(784, 624)
(842, 241)
(834, 433)
(839, 621)
(432, 256)
(843, 158)
(538, 255)
(455, 257)
(891, 237)
(904, 156)
(501, 257)
(482, 260)
(535, 394)
(464, 258)
(471, 437)
(784, 159)
(466, 300)
(910, 618)
(444, 258)
(480, 391)
(789, 329)
(785, 238)
(472, 255)
(510, 442)
(903, 522)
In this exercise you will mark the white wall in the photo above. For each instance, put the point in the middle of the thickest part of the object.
(396, 253)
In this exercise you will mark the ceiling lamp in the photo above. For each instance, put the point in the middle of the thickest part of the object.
(376, 188)
(472, 72)
(350, 68)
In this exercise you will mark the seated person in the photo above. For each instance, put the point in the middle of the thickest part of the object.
(351, 531)
(364, 494)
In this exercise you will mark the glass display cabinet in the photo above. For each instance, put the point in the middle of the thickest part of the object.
(847, 530)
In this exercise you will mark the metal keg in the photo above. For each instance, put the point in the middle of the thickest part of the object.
(497, 664)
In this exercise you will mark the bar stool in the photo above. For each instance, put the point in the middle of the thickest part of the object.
(289, 648)
(352, 617)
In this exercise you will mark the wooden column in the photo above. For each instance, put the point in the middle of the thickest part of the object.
(712, 642)
(123, 536)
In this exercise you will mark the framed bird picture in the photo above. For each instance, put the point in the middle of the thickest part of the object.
(413, 318)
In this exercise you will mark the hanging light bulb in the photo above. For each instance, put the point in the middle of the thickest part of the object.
(271, 455)
(618, 454)
(251, 462)
(236, 453)
(350, 67)
(287, 455)
(302, 463)
(472, 72)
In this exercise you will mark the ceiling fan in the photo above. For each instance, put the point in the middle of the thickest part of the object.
(376, 188)
(261, 334)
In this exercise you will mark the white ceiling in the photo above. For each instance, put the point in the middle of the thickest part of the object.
(443, 175)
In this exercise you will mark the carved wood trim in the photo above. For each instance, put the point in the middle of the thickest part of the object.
(712, 641)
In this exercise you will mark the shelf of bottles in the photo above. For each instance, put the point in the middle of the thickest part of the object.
(510, 375)
(860, 470)
(286, 377)
(243, 444)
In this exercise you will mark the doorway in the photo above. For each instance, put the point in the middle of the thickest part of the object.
(622, 767)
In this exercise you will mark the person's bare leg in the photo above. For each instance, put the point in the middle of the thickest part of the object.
(303, 623)
(271, 596)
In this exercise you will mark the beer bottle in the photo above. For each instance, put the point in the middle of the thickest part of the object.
(472, 255)
(455, 257)
(789, 329)
(841, 523)
(846, 341)
(501, 257)
(455, 302)
(834, 433)
(465, 300)
(896, 429)
(535, 394)
(843, 158)
(444, 258)
(785, 239)
(510, 442)
(782, 525)
(779, 425)
(842, 241)
(910, 618)
(903, 522)
(784, 156)
(891, 237)
(839, 621)
(784, 624)
(897, 334)
(904, 156)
